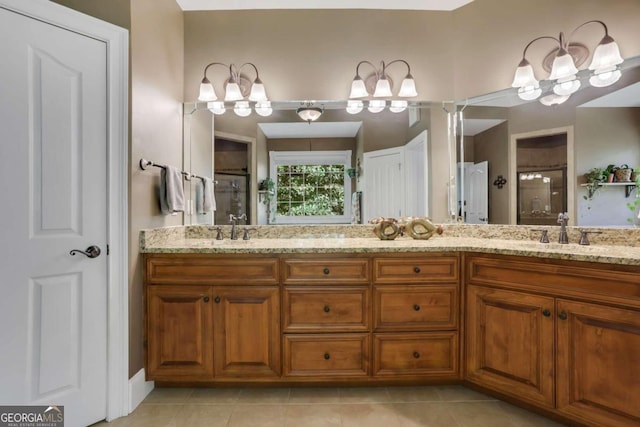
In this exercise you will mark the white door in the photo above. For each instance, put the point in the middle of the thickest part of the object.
(383, 183)
(416, 177)
(477, 198)
(53, 313)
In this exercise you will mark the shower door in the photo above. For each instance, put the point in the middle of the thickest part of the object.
(232, 197)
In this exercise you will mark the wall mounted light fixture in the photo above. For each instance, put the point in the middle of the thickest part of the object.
(381, 85)
(239, 89)
(603, 68)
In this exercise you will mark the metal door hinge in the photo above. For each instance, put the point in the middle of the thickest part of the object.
(108, 250)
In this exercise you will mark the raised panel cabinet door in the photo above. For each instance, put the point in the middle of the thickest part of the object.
(247, 332)
(179, 332)
(598, 364)
(510, 343)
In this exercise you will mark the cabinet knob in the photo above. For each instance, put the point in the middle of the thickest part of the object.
(563, 315)
(327, 356)
(416, 269)
(205, 299)
(327, 309)
(416, 355)
(416, 307)
(546, 313)
(217, 300)
(326, 271)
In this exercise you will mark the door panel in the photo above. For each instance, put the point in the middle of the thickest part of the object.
(53, 172)
(384, 180)
(510, 343)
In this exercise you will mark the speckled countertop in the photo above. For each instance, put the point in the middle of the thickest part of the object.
(613, 246)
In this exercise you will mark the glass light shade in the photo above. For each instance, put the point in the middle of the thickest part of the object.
(408, 87)
(354, 106)
(524, 76)
(529, 93)
(376, 105)
(263, 108)
(216, 107)
(563, 66)
(605, 79)
(309, 114)
(358, 88)
(606, 55)
(207, 93)
(233, 92)
(383, 88)
(398, 105)
(566, 87)
(553, 99)
(242, 108)
(258, 93)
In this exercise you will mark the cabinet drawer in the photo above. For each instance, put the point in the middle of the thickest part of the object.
(415, 307)
(331, 270)
(326, 355)
(195, 269)
(324, 309)
(427, 268)
(433, 354)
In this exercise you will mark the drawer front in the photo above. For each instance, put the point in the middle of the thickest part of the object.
(194, 269)
(312, 271)
(415, 307)
(427, 268)
(326, 355)
(432, 354)
(323, 309)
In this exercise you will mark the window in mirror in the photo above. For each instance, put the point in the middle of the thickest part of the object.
(311, 187)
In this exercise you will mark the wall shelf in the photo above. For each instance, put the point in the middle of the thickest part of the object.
(629, 187)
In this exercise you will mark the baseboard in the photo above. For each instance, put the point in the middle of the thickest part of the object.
(138, 389)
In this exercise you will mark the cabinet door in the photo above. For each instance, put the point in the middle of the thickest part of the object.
(246, 332)
(179, 332)
(510, 338)
(598, 377)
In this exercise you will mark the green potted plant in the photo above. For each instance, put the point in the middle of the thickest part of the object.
(595, 177)
(623, 173)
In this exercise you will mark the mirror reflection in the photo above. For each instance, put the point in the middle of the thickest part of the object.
(595, 128)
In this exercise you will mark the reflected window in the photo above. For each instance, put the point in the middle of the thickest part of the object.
(311, 186)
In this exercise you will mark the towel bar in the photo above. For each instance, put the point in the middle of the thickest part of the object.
(144, 164)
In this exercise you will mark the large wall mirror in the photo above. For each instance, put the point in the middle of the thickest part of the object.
(534, 156)
(386, 161)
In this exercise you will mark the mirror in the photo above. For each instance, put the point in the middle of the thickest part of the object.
(601, 126)
(240, 157)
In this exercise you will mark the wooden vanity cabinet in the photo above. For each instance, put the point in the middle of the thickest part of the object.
(564, 336)
(212, 318)
(415, 317)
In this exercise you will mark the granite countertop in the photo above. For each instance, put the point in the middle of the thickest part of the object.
(181, 242)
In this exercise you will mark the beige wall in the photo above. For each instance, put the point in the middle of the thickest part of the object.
(492, 145)
(114, 11)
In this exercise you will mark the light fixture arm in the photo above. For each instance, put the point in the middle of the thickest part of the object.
(394, 61)
(606, 30)
(557, 40)
(257, 80)
(366, 62)
(214, 63)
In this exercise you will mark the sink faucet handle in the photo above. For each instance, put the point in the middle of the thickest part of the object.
(544, 237)
(219, 235)
(584, 240)
(246, 230)
(563, 218)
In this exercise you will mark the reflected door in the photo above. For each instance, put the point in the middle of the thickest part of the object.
(231, 193)
(541, 196)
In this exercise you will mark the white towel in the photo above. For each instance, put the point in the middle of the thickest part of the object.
(205, 201)
(171, 190)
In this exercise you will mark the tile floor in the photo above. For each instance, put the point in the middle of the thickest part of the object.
(433, 406)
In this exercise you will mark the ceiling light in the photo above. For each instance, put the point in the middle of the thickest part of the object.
(603, 67)
(309, 113)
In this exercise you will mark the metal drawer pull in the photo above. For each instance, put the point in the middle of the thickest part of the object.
(205, 299)
(326, 271)
(546, 313)
(327, 356)
(416, 355)
(416, 269)
(563, 316)
(416, 307)
(217, 300)
(327, 309)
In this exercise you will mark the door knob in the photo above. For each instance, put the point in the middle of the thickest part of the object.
(90, 252)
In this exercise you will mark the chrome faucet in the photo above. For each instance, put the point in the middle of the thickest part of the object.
(563, 218)
(234, 220)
